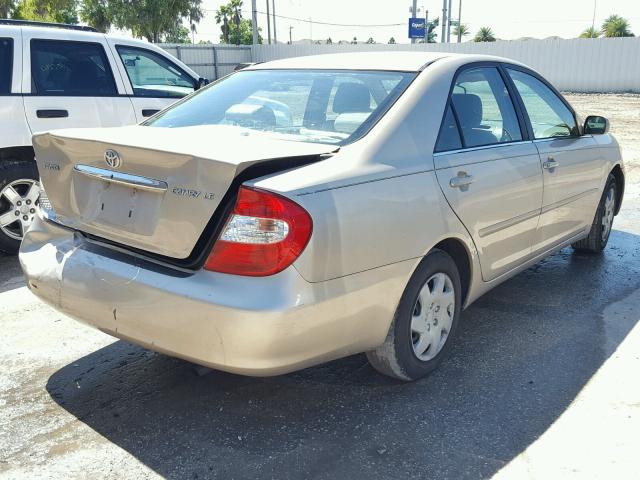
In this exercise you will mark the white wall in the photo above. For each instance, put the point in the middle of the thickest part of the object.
(578, 65)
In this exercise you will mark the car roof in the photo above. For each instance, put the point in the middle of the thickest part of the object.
(380, 60)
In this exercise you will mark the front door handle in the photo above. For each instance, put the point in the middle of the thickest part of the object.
(461, 181)
(550, 164)
(52, 113)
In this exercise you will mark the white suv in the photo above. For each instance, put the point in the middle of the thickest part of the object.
(58, 76)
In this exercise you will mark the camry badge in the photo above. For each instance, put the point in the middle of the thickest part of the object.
(112, 158)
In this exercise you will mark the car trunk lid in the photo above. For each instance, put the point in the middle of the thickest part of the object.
(153, 189)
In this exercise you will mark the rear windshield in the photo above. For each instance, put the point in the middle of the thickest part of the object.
(320, 106)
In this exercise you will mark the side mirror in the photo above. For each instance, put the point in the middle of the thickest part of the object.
(596, 125)
(202, 82)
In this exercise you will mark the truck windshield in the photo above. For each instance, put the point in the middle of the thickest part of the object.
(322, 106)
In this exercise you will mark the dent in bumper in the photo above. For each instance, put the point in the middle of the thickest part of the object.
(248, 325)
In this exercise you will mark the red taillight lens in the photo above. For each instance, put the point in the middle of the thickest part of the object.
(265, 233)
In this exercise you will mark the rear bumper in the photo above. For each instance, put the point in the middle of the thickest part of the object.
(253, 326)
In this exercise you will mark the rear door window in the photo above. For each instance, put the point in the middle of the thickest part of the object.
(484, 108)
(548, 114)
(152, 75)
(64, 68)
(6, 65)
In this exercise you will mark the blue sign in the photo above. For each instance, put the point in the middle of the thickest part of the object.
(417, 28)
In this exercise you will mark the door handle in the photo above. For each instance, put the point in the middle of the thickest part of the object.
(52, 113)
(550, 164)
(461, 181)
(148, 112)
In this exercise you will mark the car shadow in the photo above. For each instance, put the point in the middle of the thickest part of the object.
(525, 351)
(10, 273)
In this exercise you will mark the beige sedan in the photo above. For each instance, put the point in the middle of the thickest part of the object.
(307, 209)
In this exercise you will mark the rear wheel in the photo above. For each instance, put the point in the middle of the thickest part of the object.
(603, 221)
(425, 322)
(19, 191)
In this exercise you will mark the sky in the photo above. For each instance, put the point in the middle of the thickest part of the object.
(508, 19)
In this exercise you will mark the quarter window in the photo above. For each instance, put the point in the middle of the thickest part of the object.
(152, 75)
(6, 65)
(549, 115)
(484, 109)
(70, 69)
(449, 137)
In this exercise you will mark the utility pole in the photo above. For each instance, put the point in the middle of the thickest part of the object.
(254, 21)
(414, 14)
(443, 38)
(459, 21)
(268, 23)
(426, 26)
(449, 24)
(290, 39)
(273, 9)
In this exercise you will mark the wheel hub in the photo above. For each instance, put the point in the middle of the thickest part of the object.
(430, 326)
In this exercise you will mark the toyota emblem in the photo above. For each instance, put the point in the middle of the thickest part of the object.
(112, 158)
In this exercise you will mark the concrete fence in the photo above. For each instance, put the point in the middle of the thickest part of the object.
(578, 65)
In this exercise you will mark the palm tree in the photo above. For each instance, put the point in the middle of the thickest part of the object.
(616, 26)
(591, 32)
(461, 30)
(485, 34)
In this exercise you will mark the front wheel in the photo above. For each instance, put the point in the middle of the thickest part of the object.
(425, 322)
(603, 221)
(19, 192)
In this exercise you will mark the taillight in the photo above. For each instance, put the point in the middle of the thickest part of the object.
(265, 233)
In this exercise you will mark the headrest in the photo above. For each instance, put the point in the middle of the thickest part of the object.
(469, 109)
(352, 97)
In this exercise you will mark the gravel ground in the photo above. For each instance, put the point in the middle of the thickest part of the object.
(543, 383)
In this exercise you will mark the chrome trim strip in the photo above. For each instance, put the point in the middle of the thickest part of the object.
(568, 200)
(134, 181)
(481, 147)
(507, 223)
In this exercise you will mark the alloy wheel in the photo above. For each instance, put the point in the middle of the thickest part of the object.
(18, 202)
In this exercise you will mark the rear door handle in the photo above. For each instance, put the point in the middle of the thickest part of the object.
(52, 113)
(462, 181)
(148, 112)
(550, 164)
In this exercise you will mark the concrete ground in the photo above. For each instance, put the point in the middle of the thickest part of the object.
(542, 383)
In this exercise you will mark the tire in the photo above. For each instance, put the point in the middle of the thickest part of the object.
(602, 222)
(16, 176)
(399, 356)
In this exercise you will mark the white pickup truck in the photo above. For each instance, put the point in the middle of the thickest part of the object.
(60, 76)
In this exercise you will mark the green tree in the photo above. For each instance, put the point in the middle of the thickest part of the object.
(179, 35)
(329, 41)
(370, 41)
(431, 30)
(590, 32)
(392, 41)
(59, 11)
(485, 34)
(616, 26)
(96, 14)
(154, 19)
(461, 30)
(235, 29)
(354, 41)
(6, 8)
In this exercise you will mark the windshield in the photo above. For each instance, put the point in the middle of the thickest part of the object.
(320, 106)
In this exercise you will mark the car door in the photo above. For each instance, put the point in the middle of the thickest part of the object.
(69, 81)
(487, 169)
(572, 163)
(155, 81)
